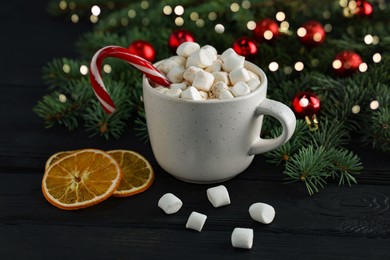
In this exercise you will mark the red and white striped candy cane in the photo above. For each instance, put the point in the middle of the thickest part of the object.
(121, 53)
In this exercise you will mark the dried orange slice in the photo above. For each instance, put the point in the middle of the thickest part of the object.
(55, 157)
(81, 179)
(138, 174)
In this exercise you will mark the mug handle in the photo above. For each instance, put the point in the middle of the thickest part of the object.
(284, 115)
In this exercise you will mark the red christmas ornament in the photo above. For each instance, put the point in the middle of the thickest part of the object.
(246, 47)
(266, 30)
(178, 37)
(311, 34)
(363, 8)
(306, 104)
(143, 49)
(346, 63)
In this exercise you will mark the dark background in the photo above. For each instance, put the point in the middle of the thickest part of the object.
(337, 223)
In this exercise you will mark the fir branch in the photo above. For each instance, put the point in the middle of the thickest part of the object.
(60, 71)
(65, 107)
(344, 166)
(97, 122)
(310, 166)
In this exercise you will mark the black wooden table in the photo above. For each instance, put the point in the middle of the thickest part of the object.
(337, 223)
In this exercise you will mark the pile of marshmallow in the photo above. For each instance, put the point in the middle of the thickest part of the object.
(219, 196)
(199, 73)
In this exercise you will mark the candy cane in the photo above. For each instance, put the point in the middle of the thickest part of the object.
(141, 64)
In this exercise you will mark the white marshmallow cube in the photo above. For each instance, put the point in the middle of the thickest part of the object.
(191, 93)
(227, 53)
(161, 89)
(196, 221)
(226, 94)
(221, 76)
(218, 196)
(217, 88)
(169, 203)
(216, 66)
(201, 59)
(239, 74)
(175, 92)
(187, 48)
(240, 89)
(203, 94)
(166, 65)
(211, 50)
(253, 75)
(180, 60)
(233, 62)
(181, 86)
(253, 83)
(262, 212)
(242, 238)
(189, 73)
(175, 75)
(203, 80)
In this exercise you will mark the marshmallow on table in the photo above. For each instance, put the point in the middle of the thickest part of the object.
(187, 48)
(239, 74)
(226, 94)
(175, 75)
(170, 203)
(262, 212)
(191, 93)
(203, 80)
(240, 89)
(200, 58)
(242, 238)
(218, 196)
(196, 221)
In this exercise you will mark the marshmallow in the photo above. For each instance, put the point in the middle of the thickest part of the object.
(196, 221)
(218, 196)
(216, 66)
(175, 92)
(191, 93)
(253, 83)
(211, 50)
(166, 65)
(170, 203)
(203, 80)
(221, 76)
(233, 62)
(227, 53)
(181, 86)
(240, 89)
(189, 73)
(226, 94)
(175, 75)
(187, 48)
(262, 212)
(253, 75)
(242, 238)
(203, 94)
(180, 60)
(201, 59)
(161, 89)
(239, 74)
(217, 88)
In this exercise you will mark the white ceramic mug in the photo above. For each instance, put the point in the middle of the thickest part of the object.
(215, 140)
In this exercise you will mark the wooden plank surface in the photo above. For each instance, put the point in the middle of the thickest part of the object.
(338, 223)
